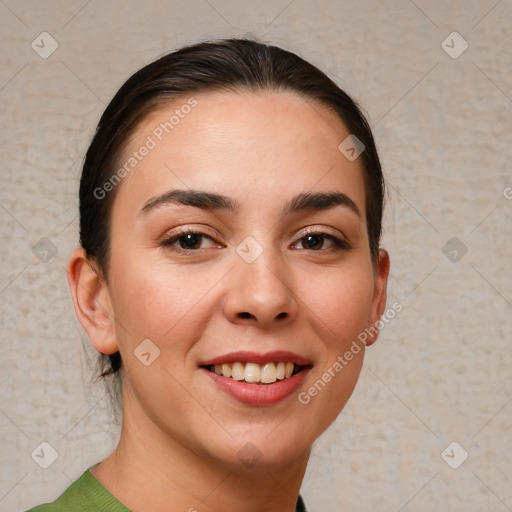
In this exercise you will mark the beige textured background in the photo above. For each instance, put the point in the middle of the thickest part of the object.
(441, 369)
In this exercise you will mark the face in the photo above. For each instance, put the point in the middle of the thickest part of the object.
(265, 274)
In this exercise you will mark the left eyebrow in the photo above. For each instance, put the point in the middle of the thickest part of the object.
(319, 201)
(210, 201)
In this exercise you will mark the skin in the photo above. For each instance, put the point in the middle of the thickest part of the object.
(181, 435)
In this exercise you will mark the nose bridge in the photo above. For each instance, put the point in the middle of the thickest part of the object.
(260, 290)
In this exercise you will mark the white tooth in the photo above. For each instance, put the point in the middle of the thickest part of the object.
(237, 371)
(268, 373)
(280, 370)
(252, 372)
(226, 370)
(218, 369)
(289, 369)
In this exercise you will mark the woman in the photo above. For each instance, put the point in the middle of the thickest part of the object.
(229, 273)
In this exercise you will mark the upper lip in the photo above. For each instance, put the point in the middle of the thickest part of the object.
(254, 357)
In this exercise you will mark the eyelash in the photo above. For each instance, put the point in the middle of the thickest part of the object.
(338, 243)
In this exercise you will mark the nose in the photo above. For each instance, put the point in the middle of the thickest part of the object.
(260, 293)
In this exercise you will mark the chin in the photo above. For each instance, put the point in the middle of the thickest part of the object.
(265, 451)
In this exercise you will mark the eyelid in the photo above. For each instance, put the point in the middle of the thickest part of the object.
(340, 241)
(322, 230)
(184, 230)
(171, 237)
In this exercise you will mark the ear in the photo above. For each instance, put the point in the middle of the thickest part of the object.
(91, 299)
(379, 295)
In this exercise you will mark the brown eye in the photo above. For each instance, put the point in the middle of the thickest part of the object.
(190, 241)
(187, 241)
(312, 241)
(315, 242)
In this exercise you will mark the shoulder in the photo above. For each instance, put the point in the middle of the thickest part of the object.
(84, 494)
(70, 500)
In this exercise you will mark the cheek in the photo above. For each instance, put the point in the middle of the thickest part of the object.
(341, 307)
(342, 301)
(159, 302)
(165, 305)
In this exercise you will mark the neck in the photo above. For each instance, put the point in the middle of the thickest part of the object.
(150, 470)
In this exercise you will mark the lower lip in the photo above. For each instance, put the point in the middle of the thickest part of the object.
(258, 394)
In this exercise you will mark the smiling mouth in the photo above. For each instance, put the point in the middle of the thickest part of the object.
(254, 373)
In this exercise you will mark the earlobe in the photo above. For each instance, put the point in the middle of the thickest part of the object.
(91, 300)
(379, 295)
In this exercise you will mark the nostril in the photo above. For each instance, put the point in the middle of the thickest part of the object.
(244, 315)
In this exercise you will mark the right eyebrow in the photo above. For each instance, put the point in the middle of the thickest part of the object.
(197, 198)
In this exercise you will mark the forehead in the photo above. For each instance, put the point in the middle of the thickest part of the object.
(246, 143)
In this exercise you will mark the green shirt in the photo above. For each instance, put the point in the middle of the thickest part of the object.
(88, 494)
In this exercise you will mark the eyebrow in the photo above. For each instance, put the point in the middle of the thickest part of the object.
(305, 201)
